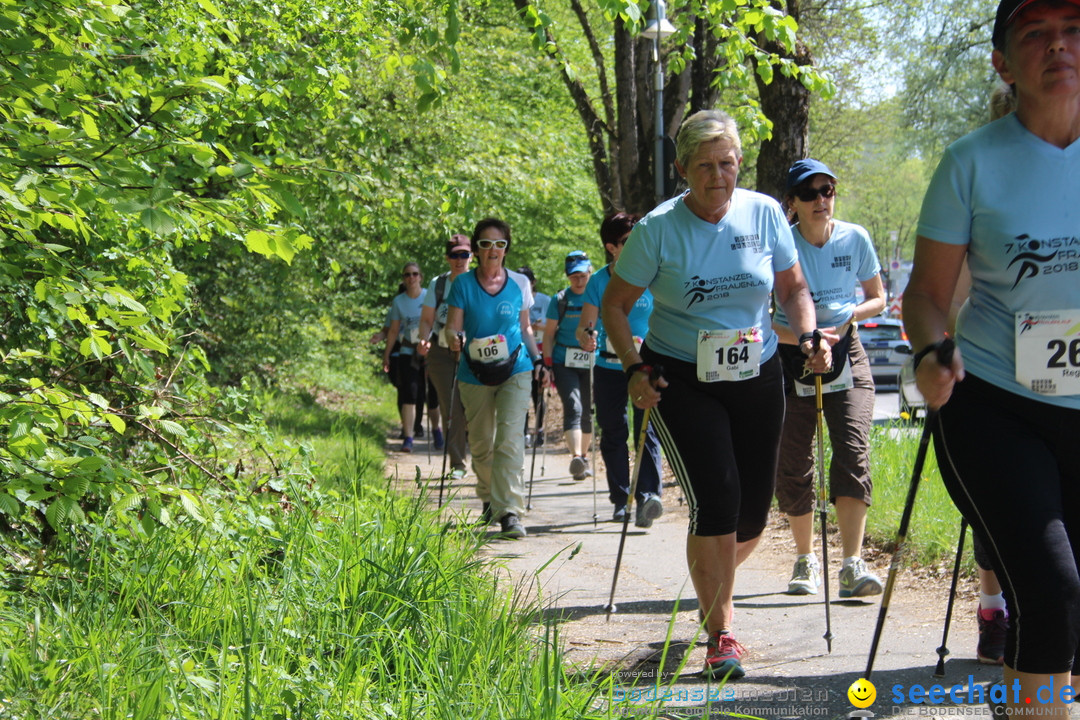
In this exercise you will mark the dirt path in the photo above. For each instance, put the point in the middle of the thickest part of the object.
(567, 560)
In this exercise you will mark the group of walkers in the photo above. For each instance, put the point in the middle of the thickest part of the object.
(718, 310)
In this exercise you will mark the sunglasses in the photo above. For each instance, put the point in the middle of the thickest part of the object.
(485, 244)
(410, 274)
(463, 255)
(811, 194)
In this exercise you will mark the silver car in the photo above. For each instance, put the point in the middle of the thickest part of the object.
(911, 402)
(887, 347)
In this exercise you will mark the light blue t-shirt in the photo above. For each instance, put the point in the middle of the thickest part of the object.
(708, 276)
(639, 315)
(1014, 200)
(487, 315)
(834, 270)
(406, 310)
(539, 308)
(432, 298)
(566, 333)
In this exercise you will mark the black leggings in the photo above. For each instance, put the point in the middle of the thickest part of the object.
(1011, 466)
(722, 439)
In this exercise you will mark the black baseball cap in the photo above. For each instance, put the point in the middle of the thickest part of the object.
(1006, 12)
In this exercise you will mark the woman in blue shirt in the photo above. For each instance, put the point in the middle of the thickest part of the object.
(836, 258)
(488, 323)
(609, 385)
(1005, 198)
(712, 257)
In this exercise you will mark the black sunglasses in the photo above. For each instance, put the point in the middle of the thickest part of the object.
(463, 255)
(811, 194)
(410, 274)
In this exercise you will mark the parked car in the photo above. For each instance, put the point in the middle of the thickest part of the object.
(887, 347)
(911, 400)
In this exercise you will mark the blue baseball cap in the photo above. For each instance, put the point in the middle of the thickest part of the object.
(806, 169)
(576, 262)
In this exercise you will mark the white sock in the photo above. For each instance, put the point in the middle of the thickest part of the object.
(811, 557)
(991, 602)
(849, 560)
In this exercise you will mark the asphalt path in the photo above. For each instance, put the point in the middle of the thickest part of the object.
(652, 644)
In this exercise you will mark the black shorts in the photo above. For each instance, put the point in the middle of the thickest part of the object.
(1011, 466)
(722, 440)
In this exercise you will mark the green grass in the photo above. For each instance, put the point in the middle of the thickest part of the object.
(335, 599)
(935, 522)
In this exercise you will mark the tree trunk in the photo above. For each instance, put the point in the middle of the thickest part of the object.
(786, 102)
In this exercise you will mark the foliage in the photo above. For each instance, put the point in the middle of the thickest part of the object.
(346, 602)
(133, 135)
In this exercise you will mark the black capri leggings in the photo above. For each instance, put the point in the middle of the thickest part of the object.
(722, 439)
(1011, 466)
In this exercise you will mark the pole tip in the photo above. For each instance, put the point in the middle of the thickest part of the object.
(610, 608)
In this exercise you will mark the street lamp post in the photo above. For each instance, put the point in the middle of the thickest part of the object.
(657, 29)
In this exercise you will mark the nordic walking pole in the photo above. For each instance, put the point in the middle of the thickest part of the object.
(532, 468)
(449, 423)
(639, 456)
(596, 427)
(823, 497)
(944, 357)
(430, 435)
(942, 651)
(541, 414)
(453, 386)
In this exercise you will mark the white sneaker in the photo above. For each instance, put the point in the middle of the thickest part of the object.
(578, 466)
(857, 581)
(806, 576)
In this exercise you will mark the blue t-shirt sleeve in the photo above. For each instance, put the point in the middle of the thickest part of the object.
(594, 291)
(553, 308)
(429, 296)
(639, 262)
(395, 312)
(946, 208)
(785, 255)
(868, 262)
(456, 297)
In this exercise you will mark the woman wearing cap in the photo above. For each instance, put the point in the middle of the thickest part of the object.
(571, 364)
(836, 258)
(405, 327)
(711, 258)
(610, 385)
(488, 322)
(442, 364)
(1004, 197)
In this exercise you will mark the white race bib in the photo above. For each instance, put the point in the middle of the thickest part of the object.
(578, 358)
(729, 355)
(489, 349)
(1048, 351)
(843, 381)
(539, 335)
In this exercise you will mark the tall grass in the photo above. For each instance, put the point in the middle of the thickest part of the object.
(935, 522)
(336, 599)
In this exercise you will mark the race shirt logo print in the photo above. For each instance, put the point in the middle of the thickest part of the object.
(1034, 257)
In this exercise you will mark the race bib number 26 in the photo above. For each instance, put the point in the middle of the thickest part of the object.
(1048, 351)
(729, 355)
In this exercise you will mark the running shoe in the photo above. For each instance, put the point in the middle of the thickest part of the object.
(993, 624)
(857, 581)
(437, 437)
(577, 467)
(806, 576)
(620, 513)
(722, 657)
(418, 432)
(539, 440)
(407, 445)
(457, 473)
(648, 510)
(511, 526)
(587, 472)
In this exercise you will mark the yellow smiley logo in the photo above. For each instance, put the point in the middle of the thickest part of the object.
(862, 693)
